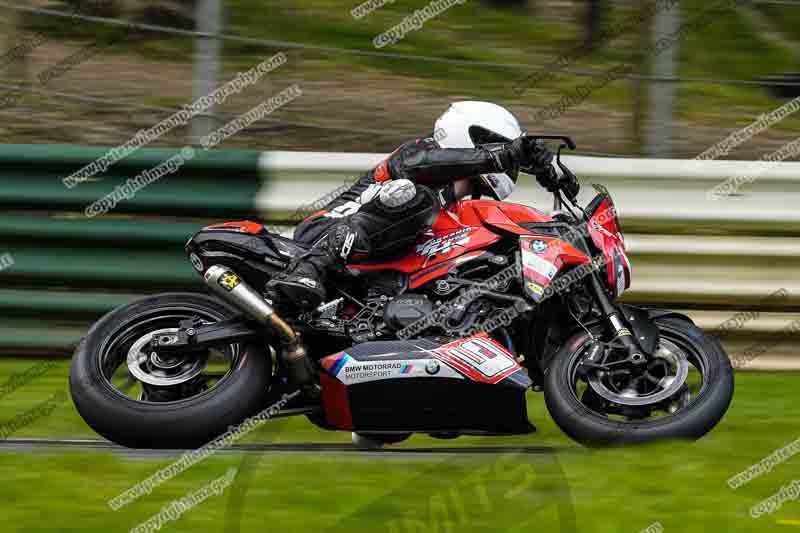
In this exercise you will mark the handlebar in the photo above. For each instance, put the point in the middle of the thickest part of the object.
(565, 138)
(567, 182)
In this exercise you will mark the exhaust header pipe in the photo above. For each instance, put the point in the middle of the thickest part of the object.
(227, 285)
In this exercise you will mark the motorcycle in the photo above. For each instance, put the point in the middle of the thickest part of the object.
(495, 299)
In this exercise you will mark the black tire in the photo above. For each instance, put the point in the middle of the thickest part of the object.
(692, 422)
(187, 423)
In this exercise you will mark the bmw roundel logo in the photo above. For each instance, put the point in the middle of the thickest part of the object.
(538, 246)
(432, 367)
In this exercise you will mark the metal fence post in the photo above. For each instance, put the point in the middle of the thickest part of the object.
(661, 94)
(206, 62)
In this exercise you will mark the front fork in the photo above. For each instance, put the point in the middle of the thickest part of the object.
(616, 324)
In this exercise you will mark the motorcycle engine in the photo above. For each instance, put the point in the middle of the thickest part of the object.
(406, 309)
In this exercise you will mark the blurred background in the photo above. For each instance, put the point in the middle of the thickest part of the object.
(92, 74)
(642, 87)
(719, 75)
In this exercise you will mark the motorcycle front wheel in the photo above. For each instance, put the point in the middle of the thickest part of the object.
(682, 393)
(136, 398)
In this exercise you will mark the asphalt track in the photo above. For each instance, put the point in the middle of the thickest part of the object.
(17, 445)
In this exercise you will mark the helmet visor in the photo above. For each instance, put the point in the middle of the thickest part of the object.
(480, 135)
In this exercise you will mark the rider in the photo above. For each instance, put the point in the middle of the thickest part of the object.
(475, 144)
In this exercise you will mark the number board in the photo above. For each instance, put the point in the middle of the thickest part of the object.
(479, 358)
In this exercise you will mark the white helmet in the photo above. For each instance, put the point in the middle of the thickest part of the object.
(466, 124)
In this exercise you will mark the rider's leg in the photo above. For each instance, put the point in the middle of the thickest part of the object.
(302, 282)
(392, 218)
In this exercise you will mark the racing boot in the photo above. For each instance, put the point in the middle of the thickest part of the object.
(303, 283)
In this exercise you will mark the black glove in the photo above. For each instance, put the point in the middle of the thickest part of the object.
(540, 164)
(548, 178)
(538, 157)
(530, 155)
(526, 153)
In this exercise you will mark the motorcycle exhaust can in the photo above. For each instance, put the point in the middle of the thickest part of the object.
(227, 285)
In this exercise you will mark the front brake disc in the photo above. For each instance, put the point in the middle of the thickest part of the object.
(666, 387)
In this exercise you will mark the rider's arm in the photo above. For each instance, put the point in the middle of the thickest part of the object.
(429, 165)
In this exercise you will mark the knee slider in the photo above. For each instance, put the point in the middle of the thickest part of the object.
(397, 193)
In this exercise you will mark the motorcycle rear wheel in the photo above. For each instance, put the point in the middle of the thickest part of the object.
(582, 416)
(190, 405)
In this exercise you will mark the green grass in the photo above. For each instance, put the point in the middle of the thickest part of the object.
(681, 485)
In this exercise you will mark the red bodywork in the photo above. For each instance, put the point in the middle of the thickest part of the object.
(244, 226)
(606, 233)
(543, 257)
(458, 235)
(356, 387)
(462, 233)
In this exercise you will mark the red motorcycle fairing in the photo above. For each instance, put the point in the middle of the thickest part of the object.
(543, 258)
(440, 269)
(471, 384)
(457, 231)
(606, 233)
(244, 226)
(479, 358)
(504, 215)
(436, 247)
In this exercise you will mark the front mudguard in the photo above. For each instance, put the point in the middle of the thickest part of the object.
(641, 321)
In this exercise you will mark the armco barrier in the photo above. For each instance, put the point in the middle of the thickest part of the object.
(69, 269)
(709, 258)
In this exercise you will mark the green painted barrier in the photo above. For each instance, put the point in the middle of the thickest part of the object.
(59, 304)
(69, 269)
(70, 158)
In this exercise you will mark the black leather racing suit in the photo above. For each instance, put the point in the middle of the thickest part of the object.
(384, 212)
(387, 229)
